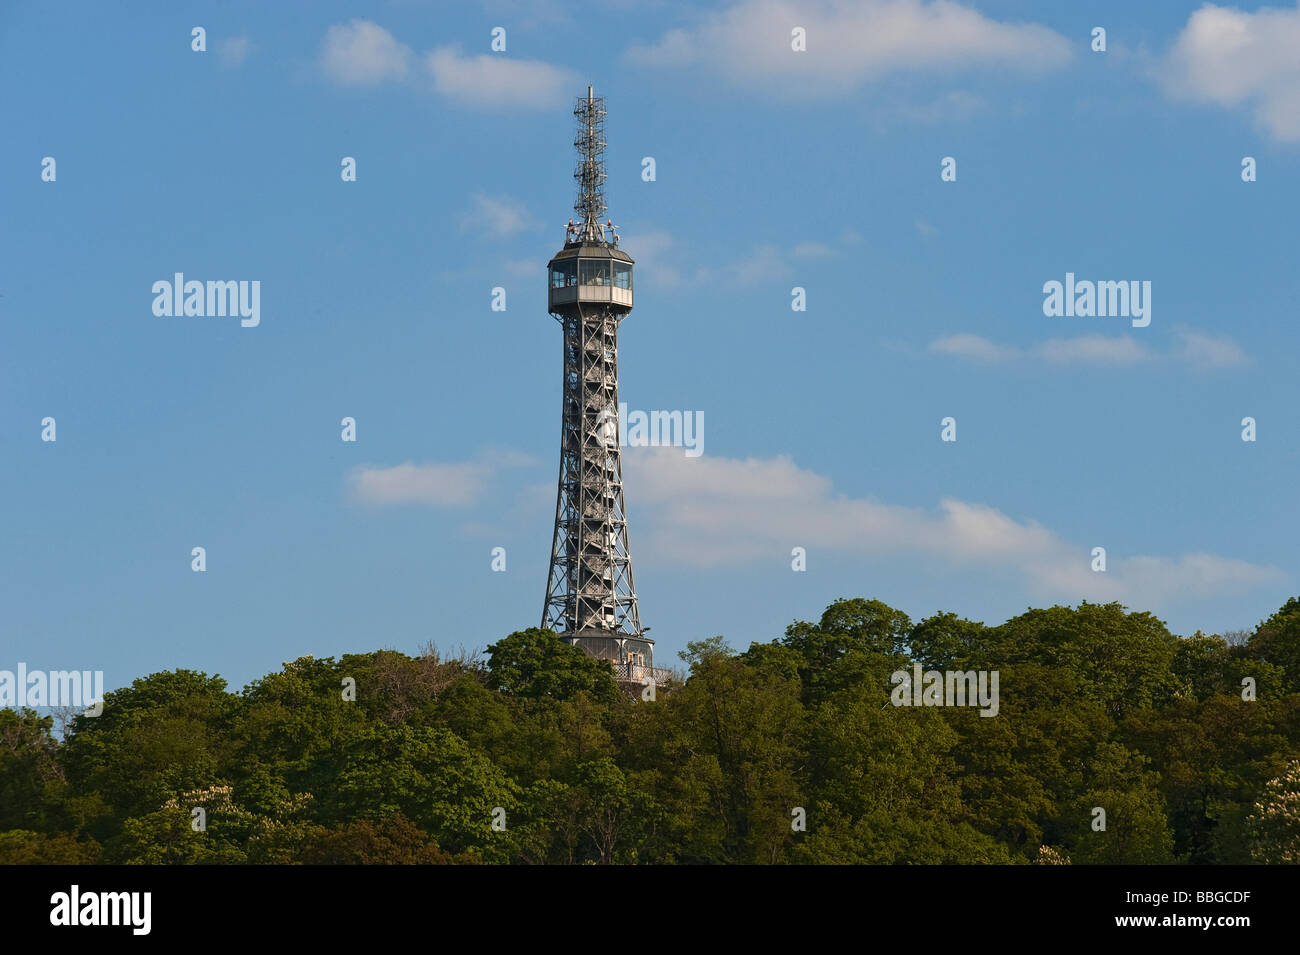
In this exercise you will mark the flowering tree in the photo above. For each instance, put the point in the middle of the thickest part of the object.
(1275, 823)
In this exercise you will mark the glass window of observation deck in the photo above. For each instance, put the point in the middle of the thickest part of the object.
(564, 274)
(593, 271)
(622, 275)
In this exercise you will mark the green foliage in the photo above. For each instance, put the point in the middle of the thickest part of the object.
(536, 663)
(864, 630)
(1277, 642)
(697, 651)
(392, 840)
(787, 752)
(29, 772)
(23, 847)
(1136, 830)
(163, 735)
(431, 777)
(732, 751)
(948, 642)
(1122, 660)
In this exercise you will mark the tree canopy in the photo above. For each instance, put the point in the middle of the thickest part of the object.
(1112, 741)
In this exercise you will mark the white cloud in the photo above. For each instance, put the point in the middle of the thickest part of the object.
(766, 263)
(233, 51)
(711, 511)
(811, 250)
(658, 257)
(362, 53)
(1230, 57)
(1206, 351)
(769, 263)
(441, 485)
(496, 217)
(438, 485)
(974, 347)
(1194, 348)
(926, 229)
(1093, 349)
(496, 80)
(850, 41)
(1196, 573)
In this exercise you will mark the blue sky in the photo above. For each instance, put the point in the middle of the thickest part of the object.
(775, 169)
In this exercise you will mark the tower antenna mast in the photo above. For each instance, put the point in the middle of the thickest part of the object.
(590, 173)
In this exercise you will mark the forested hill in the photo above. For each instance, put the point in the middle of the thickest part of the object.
(797, 750)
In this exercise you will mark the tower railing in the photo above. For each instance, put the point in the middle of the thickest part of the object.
(636, 673)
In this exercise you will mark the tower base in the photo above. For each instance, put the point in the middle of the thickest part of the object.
(631, 659)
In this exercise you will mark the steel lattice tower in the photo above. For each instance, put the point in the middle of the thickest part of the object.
(590, 594)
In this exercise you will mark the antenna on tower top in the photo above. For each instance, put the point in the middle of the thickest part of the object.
(590, 173)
